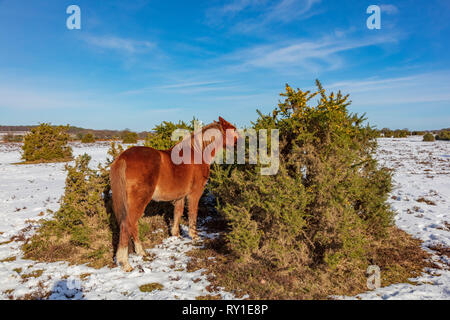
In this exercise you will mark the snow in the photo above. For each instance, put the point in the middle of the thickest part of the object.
(422, 170)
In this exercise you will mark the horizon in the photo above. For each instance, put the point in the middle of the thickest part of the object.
(134, 65)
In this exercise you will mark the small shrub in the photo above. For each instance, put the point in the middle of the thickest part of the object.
(88, 138)
(443, 135)
(401, 133)
(47, 143)
(387, 133)
(129, 137)
(12, 138)
(428, 137)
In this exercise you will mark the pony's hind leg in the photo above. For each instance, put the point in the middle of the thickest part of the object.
(138, 248)
(122, 251)
(177, 213)
(135, 213)
(129, 230)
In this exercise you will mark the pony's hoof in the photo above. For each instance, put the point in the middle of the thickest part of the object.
(194, 236)
(175, 233)
(140, 251)
(127, 268)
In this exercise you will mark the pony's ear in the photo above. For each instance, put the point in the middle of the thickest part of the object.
(225, 124)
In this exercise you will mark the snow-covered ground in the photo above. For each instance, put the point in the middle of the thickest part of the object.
(422, 170)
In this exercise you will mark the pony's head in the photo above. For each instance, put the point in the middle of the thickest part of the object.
(231, 135)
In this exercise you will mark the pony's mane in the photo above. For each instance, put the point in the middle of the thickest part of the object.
(195, 135)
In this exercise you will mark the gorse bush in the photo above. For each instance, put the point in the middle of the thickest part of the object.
(326, 204)
(47, 143)
(399, 133)
(81, 223)
(443, 135)
(129, 137)
(428, 137)
(88, 138)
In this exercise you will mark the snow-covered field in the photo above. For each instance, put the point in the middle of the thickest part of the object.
(422, 170)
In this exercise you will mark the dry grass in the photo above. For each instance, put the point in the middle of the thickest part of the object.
(9, 259)
(399, 257)
(49, 246)
(427, 201)
(209, 297)
(441, 250)
(43, 161)
(149, 287)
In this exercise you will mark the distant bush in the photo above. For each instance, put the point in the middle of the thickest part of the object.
(129, 137)
(418, 133)
(88, 138)
(161, 137)
(387, 133)
(12, 138)
(47, 143)
(443, 135)
(401, 133)
(428, 137)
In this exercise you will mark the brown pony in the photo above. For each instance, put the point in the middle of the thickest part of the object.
(141, 174)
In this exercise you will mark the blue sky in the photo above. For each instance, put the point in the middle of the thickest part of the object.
(136, 63)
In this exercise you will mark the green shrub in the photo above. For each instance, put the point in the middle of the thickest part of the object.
(47, 143)
(129, 137)
(328, 200)
(161, 137)
(88, 138)
(443, 135)
(387, 133)
(401, 133)
(428, 137)
(12, 138)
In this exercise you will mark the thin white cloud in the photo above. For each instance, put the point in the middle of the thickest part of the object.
(265, 12)
(304, 54)
(418, 88)
(126, 45)
(181, 87)
(191, 84)
(389, 9)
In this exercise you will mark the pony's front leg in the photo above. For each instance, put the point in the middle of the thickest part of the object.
(177, 213)
(193, 200)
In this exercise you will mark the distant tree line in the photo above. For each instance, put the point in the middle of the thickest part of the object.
(77, 133)
(403, 133)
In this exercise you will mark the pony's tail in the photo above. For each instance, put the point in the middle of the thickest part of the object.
(119, 189)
